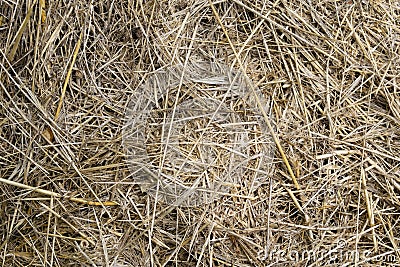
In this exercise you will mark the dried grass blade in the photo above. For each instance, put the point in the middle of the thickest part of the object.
(78, 45)
(57, 195)
(21, 30)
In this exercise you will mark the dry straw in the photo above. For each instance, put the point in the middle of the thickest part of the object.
(192, 133)
(329, 72)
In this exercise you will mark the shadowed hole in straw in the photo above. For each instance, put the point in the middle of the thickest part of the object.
(189, 145)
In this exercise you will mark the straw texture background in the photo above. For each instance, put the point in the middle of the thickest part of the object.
(330, 68)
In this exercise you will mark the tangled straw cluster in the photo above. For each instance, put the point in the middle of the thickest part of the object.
(193, 132)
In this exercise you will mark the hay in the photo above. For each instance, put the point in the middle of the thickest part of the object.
(193, 132)
(68, 71)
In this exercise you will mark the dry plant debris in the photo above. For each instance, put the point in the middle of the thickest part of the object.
(331, 70)
(194, 131)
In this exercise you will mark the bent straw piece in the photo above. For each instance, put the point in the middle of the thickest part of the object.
(78, 45)
(57, 195)
(48, 133)
(370, 211)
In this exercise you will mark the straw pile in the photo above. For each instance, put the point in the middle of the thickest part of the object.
(331, 70)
